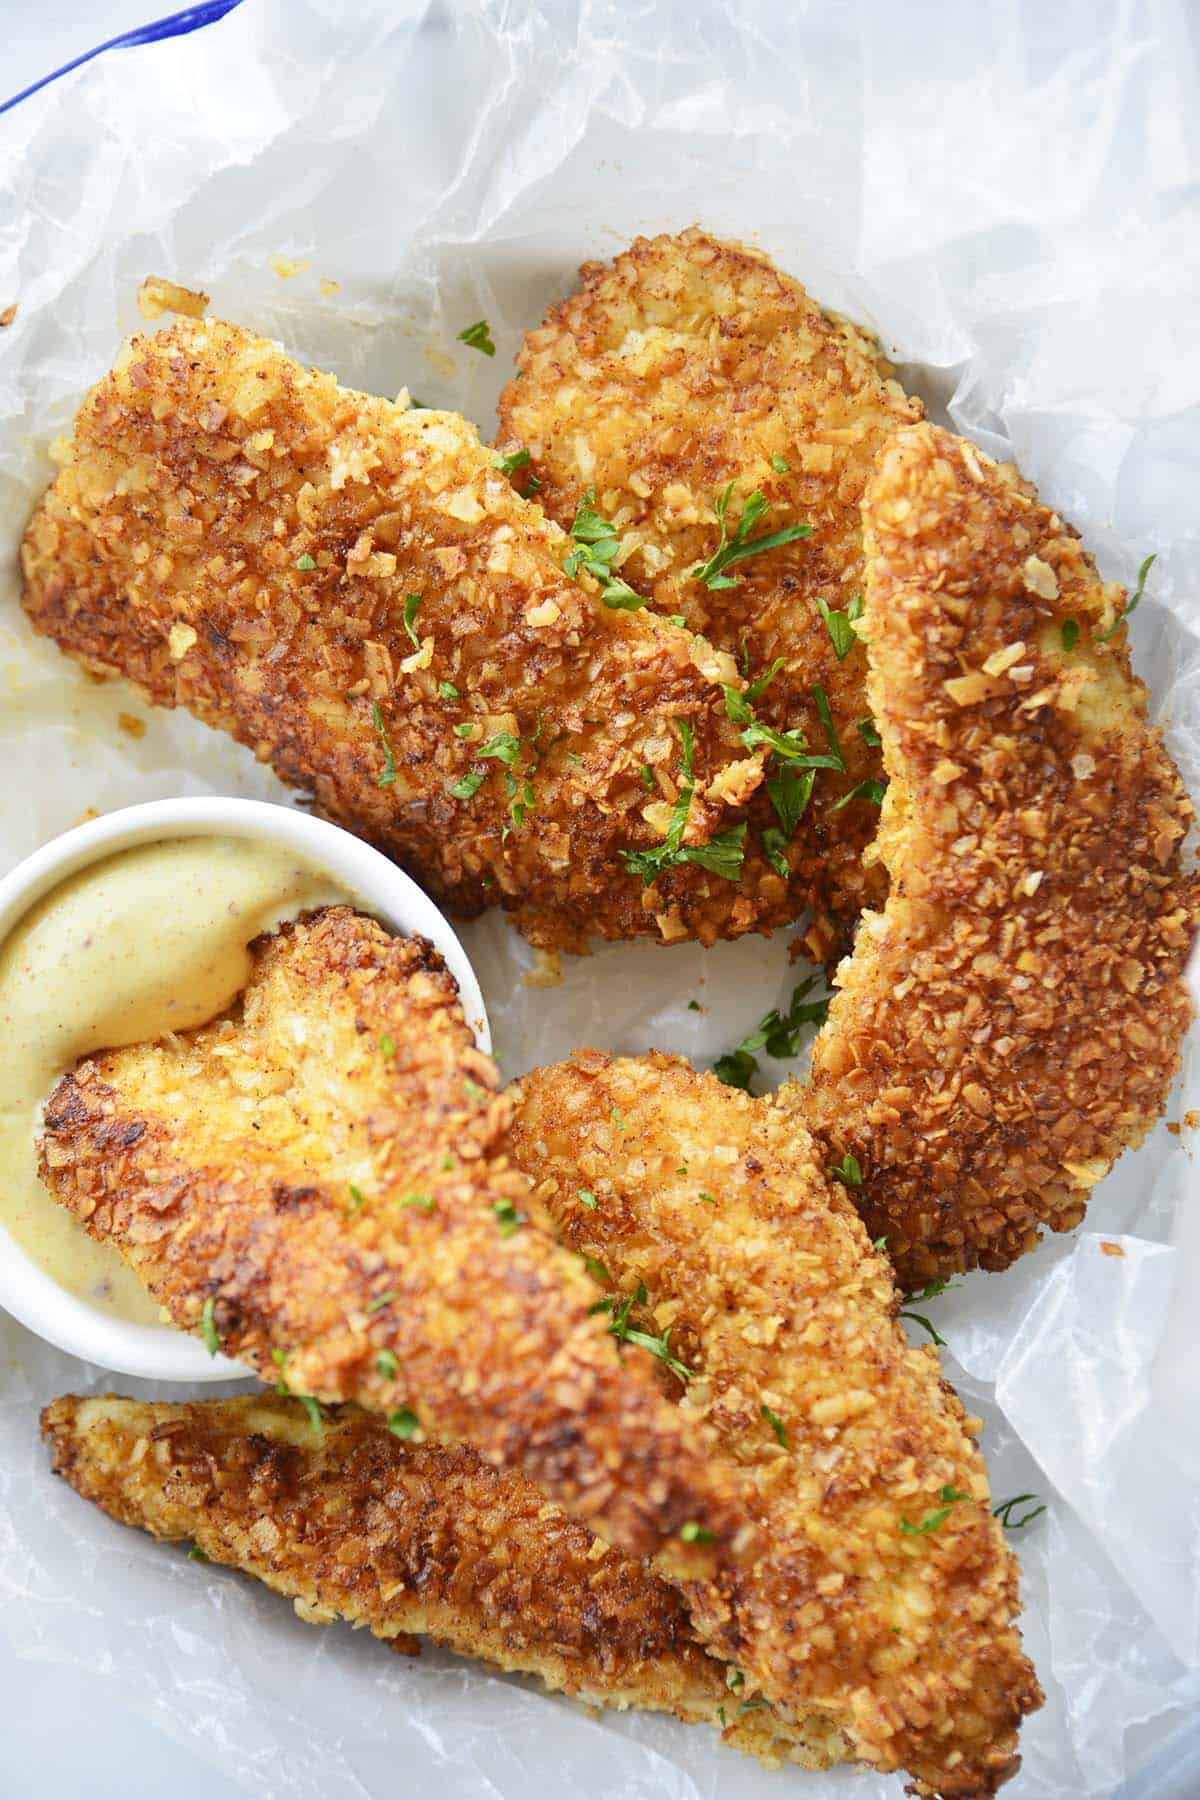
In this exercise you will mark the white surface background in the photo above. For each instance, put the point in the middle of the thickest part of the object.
(1005, 191)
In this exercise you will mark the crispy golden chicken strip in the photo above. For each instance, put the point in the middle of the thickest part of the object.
(1013, 1019)
(410, 1540)
(356, 592)
(318, 1181)
(685, 366)
(883, 1600)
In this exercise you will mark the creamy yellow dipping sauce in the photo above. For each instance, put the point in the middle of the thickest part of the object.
(150, 941)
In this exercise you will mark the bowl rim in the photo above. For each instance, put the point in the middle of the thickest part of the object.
(34, 1298)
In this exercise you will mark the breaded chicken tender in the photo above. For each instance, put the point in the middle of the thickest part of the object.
(688, 365)
(318, 1181)
(882, 1602)
(410, 1540)
(356, 592)
(1012, 1020)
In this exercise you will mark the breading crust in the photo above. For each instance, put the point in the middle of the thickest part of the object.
(1013, 1019)
(897, 1633)
(319, 1179)
(687, 364)
(239, 535)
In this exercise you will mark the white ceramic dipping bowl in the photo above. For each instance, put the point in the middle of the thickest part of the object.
(161, 1352)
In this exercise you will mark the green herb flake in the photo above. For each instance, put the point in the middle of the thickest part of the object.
(646, 777)
(504, 747)
(1004, 1512)
(704, 1196)
(381, 1301)
(721, 1716)
(479, 337)
(412, 605)
(759, 687)
(468, 786)
(657, 1346)
(509, 1218)
(691, 1533)
(313, 1409)
(447, 691)
(1070, 635)
(1131, 605)
(387, 774)
(735, 549)
(931, 1291)
(386, 1365)
(868, 732)
(598, 1272)
(775, 850)
(424, 1202)
(779, 1033)
(825, 711)
(305, 564)
(448, 1161)
(599, 544)
(848, 1171)
(780, 464)
(588, 1199)
(387, 1047)
(879, 1243)
(680, 620)
(357, 1198)
(949, 1496)
(474, 1091)
(735, 1680)
(196, 1554)
(776, 1423)
(519, 459)
(404, 1423)
(208, 1328)
(870, 789)
(789, 791)
(694, 1006)
(840, 625)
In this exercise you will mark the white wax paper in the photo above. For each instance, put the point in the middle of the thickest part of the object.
(1007, 193)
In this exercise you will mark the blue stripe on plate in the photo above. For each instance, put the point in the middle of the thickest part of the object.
(192, 18)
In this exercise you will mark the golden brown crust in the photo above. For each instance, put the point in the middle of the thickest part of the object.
(411, 1540)
(323, 1169)
(759, 1268)
(685, 365)
(238, 535)
(1013, 1019)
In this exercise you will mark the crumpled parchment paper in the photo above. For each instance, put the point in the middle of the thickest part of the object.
(1003, 192)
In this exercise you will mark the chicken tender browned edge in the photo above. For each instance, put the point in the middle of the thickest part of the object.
(357, 593)
(687, 365)
(1013, 1020)
(318, 1180)
(410, 1540)
(883, 1600)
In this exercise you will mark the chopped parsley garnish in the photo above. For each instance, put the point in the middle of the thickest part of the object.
(678, 619)
(775, 850)
(1070, 635)
(1004, 1512)
(694, 1006)
(313, 1409)
(468, 786)
(599, 545)
(306, 564)
(646, 776)
(704, 1196)
(448, 1161)
(208, 1328)
(479, 337)
(789, 791)
(381, 1301)
(598, 1272)
(386, 1365)
(879, 1243)
(412, 603)
(751, 1706)
(722, 855)
(868, 732)
(759, 686)
(1132, 604)
(870, 789)
(948, 1496)
(930, 1291)
(404, 1423)
(447, 691)
(474, 1091)
(387, 774)
(778, 1033)
(848, 1171)
(776, 1423)
(821, 698)
(519, 459)
(279, 1358)
(691, 1533)
(840, 625)
(780, 464)
(465, 728)
(509, 1218)
(588, 1199)
(387, 1048)
(735, 549)
(423, 1201)
(357, 1198)
(657, 1346)
(735, 1680)
(504, 747)
(196, 1554)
